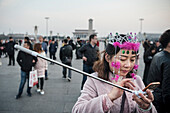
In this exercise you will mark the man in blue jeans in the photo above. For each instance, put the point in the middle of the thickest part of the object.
(89, 54)
(26, 62)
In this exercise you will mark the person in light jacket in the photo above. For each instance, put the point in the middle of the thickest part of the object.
(117, 66)
(40, 66)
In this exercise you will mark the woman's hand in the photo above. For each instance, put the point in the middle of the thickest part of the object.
(117, 92)
(144, 102)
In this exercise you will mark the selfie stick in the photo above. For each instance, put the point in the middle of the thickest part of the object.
(33, 53)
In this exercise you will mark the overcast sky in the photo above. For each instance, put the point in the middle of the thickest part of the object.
(20, 16)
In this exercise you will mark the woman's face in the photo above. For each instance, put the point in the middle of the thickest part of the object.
(127, 61)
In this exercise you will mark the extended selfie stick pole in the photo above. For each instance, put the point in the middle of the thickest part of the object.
(33, 53)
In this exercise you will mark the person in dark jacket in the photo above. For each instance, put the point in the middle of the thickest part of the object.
(10, 50)
(66, 55)
(89, 54)
(148, 56)
(53, 50)
(78, 46)
(1, 47)
(70, 42)
(44, 44)
(5, 48)
(160, 72)
(26, 62)
(146, 45)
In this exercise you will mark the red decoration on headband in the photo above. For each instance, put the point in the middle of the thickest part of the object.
(116, 44)
(130, 45)
(127, 45)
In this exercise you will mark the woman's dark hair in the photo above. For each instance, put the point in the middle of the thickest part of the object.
(165, 38)
(102, 66)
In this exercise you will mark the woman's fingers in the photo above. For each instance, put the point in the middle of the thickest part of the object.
(146, 100)
(141, 102)
(150, 95)
(130, 85)
(138, 101)
(127, 83)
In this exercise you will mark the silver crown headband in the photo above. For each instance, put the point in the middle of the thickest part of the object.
(128, 41)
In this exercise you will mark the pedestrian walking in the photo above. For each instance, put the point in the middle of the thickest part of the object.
(26, 62)
(41, 66)
(89, 54)
(53, 50)
(66, 55)
(70, 42)
(44, 47)
(148, 56)
(78, 46)
(11, 51)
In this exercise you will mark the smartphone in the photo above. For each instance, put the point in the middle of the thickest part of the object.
(152, 86)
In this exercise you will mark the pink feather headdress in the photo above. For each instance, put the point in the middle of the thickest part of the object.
(128, 41)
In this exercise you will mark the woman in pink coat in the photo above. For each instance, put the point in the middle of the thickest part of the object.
(117, 66)
(40, 66)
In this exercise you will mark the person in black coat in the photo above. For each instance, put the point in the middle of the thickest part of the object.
(89, 54)
(148, 56)
(70, 42)
(78, 46)
(25, 61)
(5, 48)
(53, 50)
(160, 72)
(10, 50)
(66, 55)
(1, 47)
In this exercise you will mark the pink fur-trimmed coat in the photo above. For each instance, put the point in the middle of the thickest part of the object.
(95, 93)
(41, 66)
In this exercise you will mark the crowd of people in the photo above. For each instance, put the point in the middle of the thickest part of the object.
(117, 65)
(150, 49)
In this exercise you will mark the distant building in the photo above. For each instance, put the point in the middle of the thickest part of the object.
(149, 36)
(16, 36)
(3, 37)
(84, 33)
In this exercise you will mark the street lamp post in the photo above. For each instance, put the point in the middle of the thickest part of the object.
(51, 32)
(141, 19)
(47, 26)
(58, 36)
(36, 31)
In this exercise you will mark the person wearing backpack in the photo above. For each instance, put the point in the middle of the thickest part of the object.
(66, 55)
